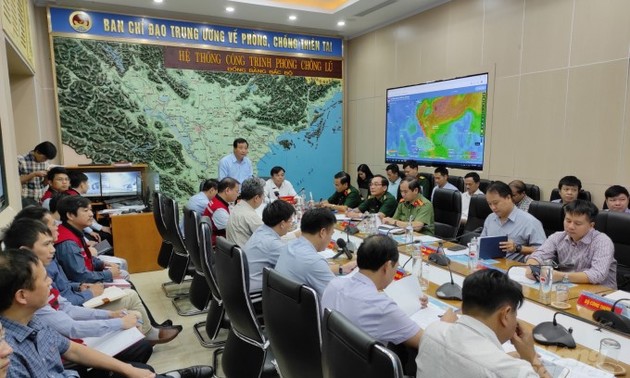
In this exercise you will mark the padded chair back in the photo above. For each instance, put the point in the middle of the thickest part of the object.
(477, 213)
(617, 227)
(166, 249)
(216, 311)
(533, 191)
(178, 265)
(550, 214)
(484, 184)
(458, 181)
(349, 352)
(583, 195)
(233, 279)
(199, 293)
(447, 205)
(292, 322)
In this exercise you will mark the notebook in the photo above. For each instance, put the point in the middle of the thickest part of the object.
(489, 247)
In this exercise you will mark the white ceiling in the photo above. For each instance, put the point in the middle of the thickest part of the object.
(360, 16)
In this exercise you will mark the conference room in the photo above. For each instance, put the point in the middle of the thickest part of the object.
(555, 100)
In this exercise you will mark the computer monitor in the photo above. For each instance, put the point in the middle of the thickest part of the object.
(114, 184)
(94, 184)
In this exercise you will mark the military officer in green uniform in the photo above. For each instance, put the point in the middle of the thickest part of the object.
(345, 197)
(380, 201)
(410, 168)
(413, 206)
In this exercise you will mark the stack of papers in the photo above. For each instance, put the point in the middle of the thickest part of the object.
(114, 342)
(110, 294)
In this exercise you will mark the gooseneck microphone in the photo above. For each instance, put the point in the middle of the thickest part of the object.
(613, 320)
(344, 249)
(449, 290)
(552, 333)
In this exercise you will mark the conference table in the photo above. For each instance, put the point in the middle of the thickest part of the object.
(586, 332)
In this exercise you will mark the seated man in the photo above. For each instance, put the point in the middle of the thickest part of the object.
(33, 168)
(79, 186)
(243, 219)
(73, 253)
(69, 320)
(302, 263)
(586, 254)
(617, 199)
(218, 210)
(471, 182)
(266, 245)
(345, 197)
(524, 232)
(440, 176)
(394, 179)
(277, 186)
(569, 187)
(58, 182)
(380, 201)
(35, 235)
(413, 207)
(200, 201)
(37, 349)
(519, 196)
(410, 167)
(471, 347)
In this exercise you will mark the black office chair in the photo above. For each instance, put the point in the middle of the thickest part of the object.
(349, 352)
(582, 194)
(247, 352)
(179, 266)
(617, 227)
(166, 249)
(550, 214)
(447, 206)
(477, 214)
(484, 184)
(216, 318)
(199, 293)
(533, 191)
(292, 322)
(458, 181)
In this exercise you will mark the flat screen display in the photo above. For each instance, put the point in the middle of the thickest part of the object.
(438, 123)
(121, 184)
(94, 184)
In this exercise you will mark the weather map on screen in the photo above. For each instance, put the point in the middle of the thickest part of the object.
(438, 123)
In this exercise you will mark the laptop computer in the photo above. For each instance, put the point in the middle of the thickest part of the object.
(489, 247)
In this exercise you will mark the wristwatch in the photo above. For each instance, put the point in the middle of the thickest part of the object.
(518, 248)
(340, 270)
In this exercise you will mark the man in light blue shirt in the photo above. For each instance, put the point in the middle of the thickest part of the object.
(302, 263)
(525, 233)
(199, 202)
(393, 176)
(265, 245)
(440, 176)
(237, 165)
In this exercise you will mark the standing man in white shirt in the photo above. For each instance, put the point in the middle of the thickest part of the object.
(277, 186)
(472, 346)
(236, 165)
(471, 182)
(440, 176)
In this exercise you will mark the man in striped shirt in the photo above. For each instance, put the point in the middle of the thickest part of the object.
(585, 254)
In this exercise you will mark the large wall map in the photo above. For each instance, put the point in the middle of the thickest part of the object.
(118, 101)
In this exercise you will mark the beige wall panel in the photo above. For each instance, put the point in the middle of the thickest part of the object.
(384, 60)
(411, 48)
(465, 37)
(540, 127)
(547, 34)
(623, 174)
(503, 34)
(361, 70)
(361, 136)
(595, 111)
(601, 30)
(502, 145)
(432, 39)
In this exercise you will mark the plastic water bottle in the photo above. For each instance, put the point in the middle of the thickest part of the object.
(473, 255)
(409, 238)
(562, 290)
